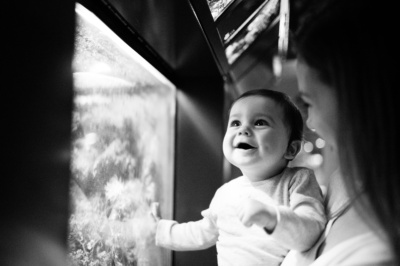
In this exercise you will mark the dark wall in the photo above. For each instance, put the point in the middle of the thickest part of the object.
(154, 22)
(36, 104)
(198, 160)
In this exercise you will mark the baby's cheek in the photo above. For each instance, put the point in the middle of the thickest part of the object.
(227, 148)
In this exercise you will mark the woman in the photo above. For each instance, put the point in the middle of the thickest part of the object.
(345, 53)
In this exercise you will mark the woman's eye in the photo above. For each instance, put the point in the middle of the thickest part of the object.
(304, 103)
(261, 123)
(234, 123)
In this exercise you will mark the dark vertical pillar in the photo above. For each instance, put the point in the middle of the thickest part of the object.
(199, 158)
(36, 103)
(200, 129)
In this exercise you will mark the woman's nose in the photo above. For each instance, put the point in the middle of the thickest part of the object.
(309, 123)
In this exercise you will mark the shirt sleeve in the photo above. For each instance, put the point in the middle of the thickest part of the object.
(196, 235)
(301, 223)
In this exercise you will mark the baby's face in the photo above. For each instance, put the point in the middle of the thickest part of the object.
(256, 138)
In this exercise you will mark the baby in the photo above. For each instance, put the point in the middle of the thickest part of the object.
(255, 219)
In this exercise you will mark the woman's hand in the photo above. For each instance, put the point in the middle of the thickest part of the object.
(254, 212)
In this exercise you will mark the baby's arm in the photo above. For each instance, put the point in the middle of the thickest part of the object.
(298, 229)
(186, 236)
(302, 222)
(297, 226)
(196, 235)
(254, 212)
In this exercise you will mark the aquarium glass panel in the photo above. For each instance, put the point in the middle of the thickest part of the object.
(122, 150)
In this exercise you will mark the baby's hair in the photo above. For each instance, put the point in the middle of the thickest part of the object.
(292, 115)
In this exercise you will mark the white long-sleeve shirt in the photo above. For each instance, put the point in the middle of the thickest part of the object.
(301, 219)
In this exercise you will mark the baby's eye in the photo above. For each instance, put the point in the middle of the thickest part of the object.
(261, 122)
(234, 123)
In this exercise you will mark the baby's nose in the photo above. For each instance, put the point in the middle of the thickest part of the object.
(244, 131)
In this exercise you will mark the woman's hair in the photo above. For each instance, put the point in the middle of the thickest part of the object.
(352, 47)
(292, 119)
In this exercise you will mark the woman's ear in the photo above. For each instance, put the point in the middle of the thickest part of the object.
(292, 150)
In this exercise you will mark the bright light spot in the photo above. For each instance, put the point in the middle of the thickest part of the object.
(277, 66)
(114, 189)
(315, 160)
(200, 118)
(90, 139)
(100, 67)
(320, 143)
(308, 146)
(92, 19)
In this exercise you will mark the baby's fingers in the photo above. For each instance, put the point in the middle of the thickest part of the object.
(244, 218)
(243, 214)
(155, 211)
(246, 221)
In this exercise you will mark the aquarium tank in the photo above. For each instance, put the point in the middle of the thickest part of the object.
(122, 150)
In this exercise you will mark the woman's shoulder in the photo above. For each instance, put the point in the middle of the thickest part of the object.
(364, 249)
(354, 239)
(347, 240)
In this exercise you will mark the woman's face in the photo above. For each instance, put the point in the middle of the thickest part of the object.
(321, 102)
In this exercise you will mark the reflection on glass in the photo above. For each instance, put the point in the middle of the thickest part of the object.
(123, 139)
(217, 7)
(238, 14)
(247, 34)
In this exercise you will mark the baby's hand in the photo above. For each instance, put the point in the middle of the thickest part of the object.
(155, 211)
(254, 212)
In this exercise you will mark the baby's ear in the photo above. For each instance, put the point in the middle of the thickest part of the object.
(292, 150)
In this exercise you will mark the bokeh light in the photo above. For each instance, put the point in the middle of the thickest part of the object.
(315, 160)
(308, 146)
(320, 143)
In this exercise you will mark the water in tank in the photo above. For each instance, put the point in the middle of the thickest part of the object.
(122, 150)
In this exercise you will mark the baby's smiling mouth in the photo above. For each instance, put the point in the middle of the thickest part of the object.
(244, 146)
